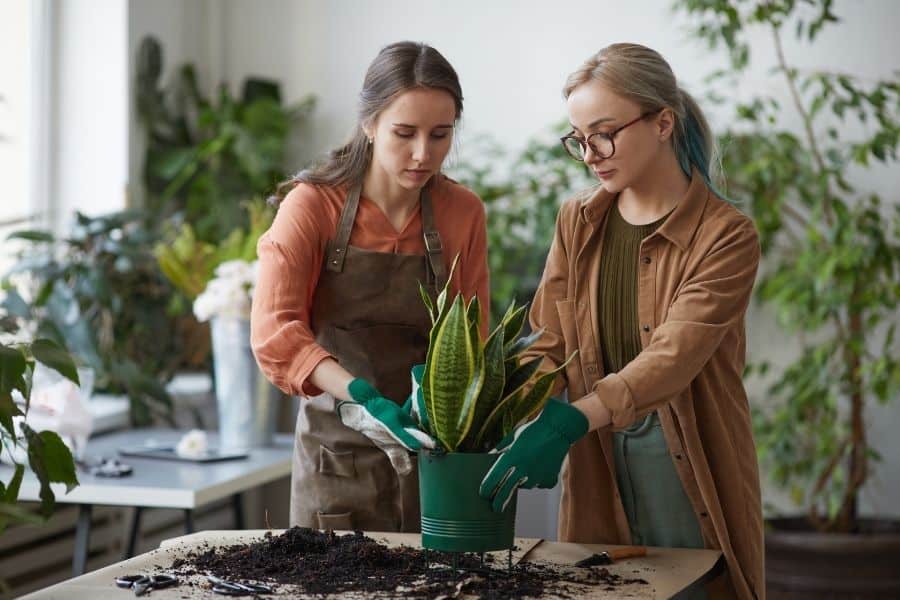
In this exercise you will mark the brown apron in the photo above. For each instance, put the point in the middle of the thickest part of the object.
(368, 313)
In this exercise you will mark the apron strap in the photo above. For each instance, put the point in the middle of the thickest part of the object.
(337, 250)
(433, 247)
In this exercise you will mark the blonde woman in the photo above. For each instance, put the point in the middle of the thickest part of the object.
(648, 277)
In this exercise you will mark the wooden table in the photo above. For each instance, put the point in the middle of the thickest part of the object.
(669, 571)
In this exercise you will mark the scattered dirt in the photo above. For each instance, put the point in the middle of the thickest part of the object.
(313, 562)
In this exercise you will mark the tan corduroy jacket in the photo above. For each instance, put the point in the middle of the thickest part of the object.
(695, 276)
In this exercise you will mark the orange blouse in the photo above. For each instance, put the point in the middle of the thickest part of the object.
(292, 251)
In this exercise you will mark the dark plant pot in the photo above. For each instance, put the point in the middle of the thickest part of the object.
(454, 517)
(802, 563)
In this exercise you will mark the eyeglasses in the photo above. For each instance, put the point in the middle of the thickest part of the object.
(602, 144)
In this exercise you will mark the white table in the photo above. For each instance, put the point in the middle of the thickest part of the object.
(158, 483)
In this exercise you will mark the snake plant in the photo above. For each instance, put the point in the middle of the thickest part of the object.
(476, 392)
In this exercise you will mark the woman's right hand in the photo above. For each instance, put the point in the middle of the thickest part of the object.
(384, 422)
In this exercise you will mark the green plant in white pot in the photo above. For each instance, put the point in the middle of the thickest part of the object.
(469, 395)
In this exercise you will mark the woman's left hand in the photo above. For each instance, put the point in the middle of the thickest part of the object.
(532, 455)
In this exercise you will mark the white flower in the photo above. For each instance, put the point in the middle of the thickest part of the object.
(228, 294)
(193, 444)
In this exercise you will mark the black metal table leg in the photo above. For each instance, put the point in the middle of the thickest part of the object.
(188, 521)
(82, 539)
(133, 532)
(237, 502)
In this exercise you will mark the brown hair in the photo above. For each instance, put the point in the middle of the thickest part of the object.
(399, 67)
(643, 76)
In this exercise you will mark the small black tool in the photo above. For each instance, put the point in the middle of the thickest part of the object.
(612, 555)
(141, 584)
(234, 588)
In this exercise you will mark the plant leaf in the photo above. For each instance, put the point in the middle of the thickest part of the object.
(534, 400)
(52, 462)
(426, 299)
(450, 367)
(491, 389)
(524, 343)
(513, 325)
(54, 356)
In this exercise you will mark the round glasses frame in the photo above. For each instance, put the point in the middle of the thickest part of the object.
(608, 137)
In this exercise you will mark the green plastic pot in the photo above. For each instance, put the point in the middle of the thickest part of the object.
(454, 517)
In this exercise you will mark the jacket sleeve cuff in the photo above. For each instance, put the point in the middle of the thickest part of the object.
(304, 364)
(614, 394)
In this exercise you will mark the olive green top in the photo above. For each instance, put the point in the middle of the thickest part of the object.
(658, 510)
(620, 336)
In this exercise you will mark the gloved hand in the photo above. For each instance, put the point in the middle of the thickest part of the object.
(383, 422)
(532, 455)
(415, 404)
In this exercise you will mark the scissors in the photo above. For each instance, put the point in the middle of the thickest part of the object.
(141, 584)
(233, 588)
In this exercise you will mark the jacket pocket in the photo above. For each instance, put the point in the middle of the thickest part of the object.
(331, 521)
(339, 464)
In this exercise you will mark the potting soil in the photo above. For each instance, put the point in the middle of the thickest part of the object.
(317, 563)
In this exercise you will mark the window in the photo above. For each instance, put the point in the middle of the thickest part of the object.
(24, 118)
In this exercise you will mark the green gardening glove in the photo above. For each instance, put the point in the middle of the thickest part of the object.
(415, 404)
(384, 422)
(532, 455)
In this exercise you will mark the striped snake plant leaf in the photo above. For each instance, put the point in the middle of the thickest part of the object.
(513, 389)
(513, 326)
(533, 401)
(440, 317)
(520, 377)
(426, 299)
(491, 389)
(492, 426)
(473, 314)
(450, 368)
(524, 343)
(466, 415)
(442, 297)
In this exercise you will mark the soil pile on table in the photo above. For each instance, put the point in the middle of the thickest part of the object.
(313, 562)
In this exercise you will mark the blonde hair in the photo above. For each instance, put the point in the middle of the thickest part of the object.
(642, 75)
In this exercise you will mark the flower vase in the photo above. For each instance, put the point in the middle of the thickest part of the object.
(245, 400)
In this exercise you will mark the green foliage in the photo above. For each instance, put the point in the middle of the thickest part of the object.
(475, 392)
(48, 457)
(205, 158)
(521, 203)
(832, 252)
(99, 293)
(189, 263)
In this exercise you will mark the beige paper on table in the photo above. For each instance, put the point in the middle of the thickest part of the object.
(667, 570)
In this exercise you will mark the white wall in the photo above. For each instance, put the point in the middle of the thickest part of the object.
(183, 29)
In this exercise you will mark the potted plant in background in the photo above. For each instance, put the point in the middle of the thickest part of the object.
(470, 395)
(830, 271)
(48, 456)
(206, 157)
(98, 292)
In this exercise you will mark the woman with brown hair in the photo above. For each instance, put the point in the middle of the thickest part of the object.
(337, 316)
(648, 278)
